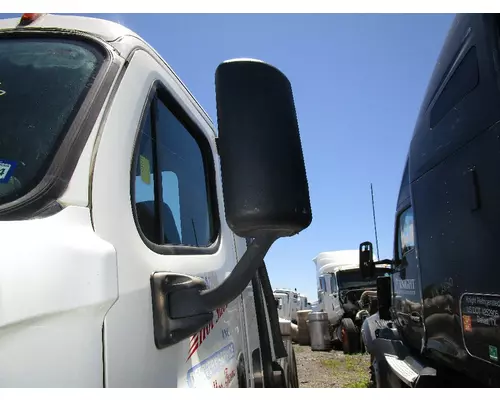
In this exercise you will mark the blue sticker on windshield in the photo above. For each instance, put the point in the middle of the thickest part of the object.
(6, 170)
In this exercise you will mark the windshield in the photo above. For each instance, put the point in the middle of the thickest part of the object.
(352, 279)
(42, 85)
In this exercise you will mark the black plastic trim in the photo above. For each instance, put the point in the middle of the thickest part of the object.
(158, 90)
(66, 155)
(168, 330)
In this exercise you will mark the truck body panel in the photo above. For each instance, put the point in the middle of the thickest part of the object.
(445, 296)
(54, 299)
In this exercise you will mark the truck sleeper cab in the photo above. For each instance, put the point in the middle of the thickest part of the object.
(444, 300)
(110, 173)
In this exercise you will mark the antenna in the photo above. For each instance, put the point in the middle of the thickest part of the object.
(374, 221)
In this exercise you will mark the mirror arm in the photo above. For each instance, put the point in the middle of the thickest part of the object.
(241, 275)
(193, 301)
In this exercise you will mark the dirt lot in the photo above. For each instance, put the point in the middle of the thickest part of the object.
(331, 369)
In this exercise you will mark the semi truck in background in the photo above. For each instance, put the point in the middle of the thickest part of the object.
(439, 310)
(292, 302)
(283, 305)
(146, 229)
(303, 303)
(345, 295)
(289, 302)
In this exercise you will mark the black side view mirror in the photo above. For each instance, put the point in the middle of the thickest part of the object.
(266, 194)
(263, 172)
(366, 263)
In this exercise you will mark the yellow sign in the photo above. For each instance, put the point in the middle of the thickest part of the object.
(145, 169)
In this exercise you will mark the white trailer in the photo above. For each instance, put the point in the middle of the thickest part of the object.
(125, 261)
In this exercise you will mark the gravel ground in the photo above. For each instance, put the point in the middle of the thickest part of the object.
(334, 369)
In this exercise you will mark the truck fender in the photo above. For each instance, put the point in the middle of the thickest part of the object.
(368, 328)
(392, 362)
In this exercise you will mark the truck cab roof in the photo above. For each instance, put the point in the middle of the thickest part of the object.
(284, 291)
(106, 30)
(119, 37)
(339, 260)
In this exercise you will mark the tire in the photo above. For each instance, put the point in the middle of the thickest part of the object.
(242, 379)
(293, 376)
(350, 336)
(289, 366)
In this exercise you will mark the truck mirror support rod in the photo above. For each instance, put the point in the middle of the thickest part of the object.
(182, 304)
(230, 288)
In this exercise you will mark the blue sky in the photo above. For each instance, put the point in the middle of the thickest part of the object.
(358, 81)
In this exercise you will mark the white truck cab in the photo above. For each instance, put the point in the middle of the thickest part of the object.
(134, 235)
(283, 305)
(293, 302)
(303, 303)
(337, 272)
(344, 293)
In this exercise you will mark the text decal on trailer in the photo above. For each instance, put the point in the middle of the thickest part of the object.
(200, 337)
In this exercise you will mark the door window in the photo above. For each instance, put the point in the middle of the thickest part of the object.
(322, 284)
(173, 191)
(406, 240)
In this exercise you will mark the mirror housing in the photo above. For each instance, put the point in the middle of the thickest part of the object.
(366, 263)
(263, 172)
(265, 189)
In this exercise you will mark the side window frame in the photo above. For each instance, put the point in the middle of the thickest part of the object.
(333, 283)
(322, 284)
(159, 91)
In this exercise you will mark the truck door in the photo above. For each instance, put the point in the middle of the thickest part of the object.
(323, 298)
(157, 198)
(335, 300)
(407, 294)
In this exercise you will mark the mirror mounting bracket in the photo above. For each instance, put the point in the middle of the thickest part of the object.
(183, 304)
